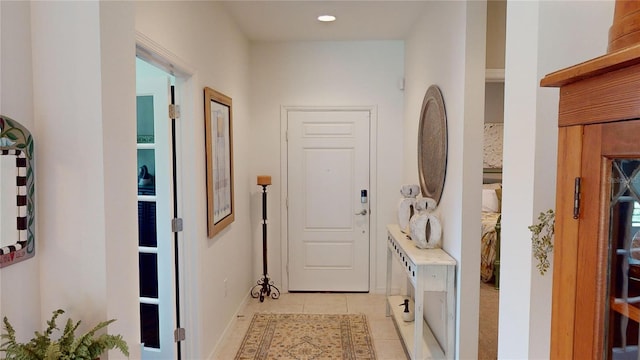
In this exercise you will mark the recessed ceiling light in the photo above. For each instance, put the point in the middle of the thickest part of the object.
(326, 18)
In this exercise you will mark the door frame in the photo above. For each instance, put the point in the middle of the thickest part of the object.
(186, 82)
(373, 187)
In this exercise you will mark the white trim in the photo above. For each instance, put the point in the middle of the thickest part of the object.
(284, 211)
(227, 332)
(186, 95)
(3, 113)
(373, 186)
(186, 90)
(494, 75)
(154, 53)
(373, 200)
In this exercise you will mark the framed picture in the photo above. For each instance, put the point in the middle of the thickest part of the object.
(218, 125)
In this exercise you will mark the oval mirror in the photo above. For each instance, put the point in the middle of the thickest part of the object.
(432, 144)
(17, 222)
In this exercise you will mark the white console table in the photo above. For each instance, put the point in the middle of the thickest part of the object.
(427, 270)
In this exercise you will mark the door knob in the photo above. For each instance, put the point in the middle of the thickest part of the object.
(362, 212)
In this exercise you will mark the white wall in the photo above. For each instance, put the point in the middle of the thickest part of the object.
(16, 102)
(494, 102)
(69, 176)
(119, 156)
(84, 120)
(496, 27)
(81, 109)
(85, 147)
(325, 74)
(203, 37)
(542, 37)
(447, 48)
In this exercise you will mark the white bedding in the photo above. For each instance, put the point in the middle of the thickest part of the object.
(488, 245)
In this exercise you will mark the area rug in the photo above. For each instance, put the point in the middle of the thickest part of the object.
(307, 337)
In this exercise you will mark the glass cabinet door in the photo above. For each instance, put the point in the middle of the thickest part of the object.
(624, 260)
(607, 285)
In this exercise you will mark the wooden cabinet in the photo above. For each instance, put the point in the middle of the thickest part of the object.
(596, 279)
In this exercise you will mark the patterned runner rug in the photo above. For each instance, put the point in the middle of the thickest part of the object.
(307, 337)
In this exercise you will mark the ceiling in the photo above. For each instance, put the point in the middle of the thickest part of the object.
(271, 20)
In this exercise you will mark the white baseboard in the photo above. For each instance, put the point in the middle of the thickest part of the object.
(227, 330)
(383, 291)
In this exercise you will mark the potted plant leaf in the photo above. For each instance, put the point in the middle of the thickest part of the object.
(542, 239)
(88, 346)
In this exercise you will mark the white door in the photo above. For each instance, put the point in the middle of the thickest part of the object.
(155, 209)
(328, 219)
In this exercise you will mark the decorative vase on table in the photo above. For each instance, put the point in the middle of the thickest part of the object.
(426, 229)
(406, 205)
(407, 312)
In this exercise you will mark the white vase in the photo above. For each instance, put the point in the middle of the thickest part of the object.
(425, 227)
(408, 313)
(410, 190)
(405, 212)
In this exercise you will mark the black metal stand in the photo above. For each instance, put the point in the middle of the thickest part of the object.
(265, 285)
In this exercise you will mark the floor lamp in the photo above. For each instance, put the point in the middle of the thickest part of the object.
(265, 285)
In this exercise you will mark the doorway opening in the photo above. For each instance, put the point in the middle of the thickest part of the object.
(157, 207)
(492, 180)
(177, 160)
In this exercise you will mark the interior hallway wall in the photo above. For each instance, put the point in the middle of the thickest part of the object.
(447, 48)
(84, 135)
(16, 102)
(347, 73)
(203, 36)
(542, 36)
(83, 121)
(59, 122)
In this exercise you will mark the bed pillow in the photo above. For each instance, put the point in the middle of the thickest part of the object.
(490, 202)
(499, 195)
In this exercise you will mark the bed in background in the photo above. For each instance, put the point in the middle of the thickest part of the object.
(491, 202)
(490, 236)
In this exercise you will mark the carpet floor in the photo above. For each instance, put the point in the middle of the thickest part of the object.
(488, 332)
(307, 337)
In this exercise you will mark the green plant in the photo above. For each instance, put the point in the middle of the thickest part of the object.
(541, 239)
(66, 347)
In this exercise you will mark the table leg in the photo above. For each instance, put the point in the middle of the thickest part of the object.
(419, 315)
(450, 307)
(389, 277)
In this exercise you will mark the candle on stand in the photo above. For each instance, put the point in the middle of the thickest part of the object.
(265, 286)
(264, 180)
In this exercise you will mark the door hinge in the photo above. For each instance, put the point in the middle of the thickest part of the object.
(286, 203)
(576, 198)
(179, 334)
(174, 111)
(176, 225)
(286, 136)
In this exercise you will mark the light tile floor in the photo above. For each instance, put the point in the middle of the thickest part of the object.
(385, 337)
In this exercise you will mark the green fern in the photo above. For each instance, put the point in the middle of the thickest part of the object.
(66, 347)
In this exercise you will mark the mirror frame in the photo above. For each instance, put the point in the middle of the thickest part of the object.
(432, 144)
(16, 140)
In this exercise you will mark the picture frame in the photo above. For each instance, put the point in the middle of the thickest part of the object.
(218, 124)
